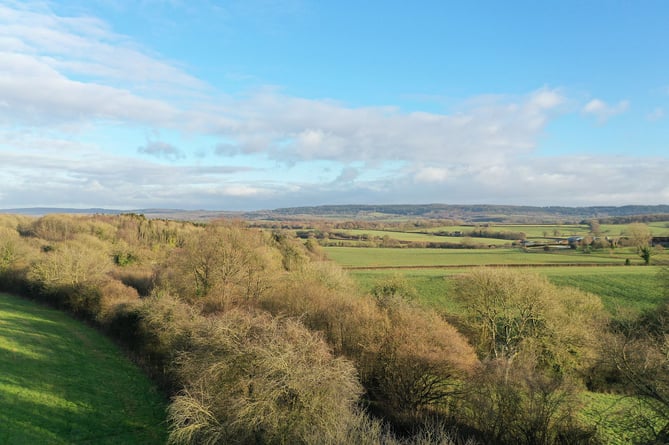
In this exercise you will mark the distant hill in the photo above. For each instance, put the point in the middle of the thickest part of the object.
(472, 213)
(177, 214)
(40, 211)
(466, 213)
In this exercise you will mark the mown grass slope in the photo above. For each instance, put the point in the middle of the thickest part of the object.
(62, 382)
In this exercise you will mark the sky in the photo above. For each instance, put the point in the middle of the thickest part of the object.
(261, 104)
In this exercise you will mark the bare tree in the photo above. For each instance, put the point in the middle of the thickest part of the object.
(639, 350)
(257, 379)
(514, 313)
(221, 264)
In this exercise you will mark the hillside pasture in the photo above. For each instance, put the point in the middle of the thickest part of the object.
(62, 382)
(657, 228)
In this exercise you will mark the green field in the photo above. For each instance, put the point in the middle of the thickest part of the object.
(398, 235)
(62, 382)
(658, 228)
(622, 289)
(425, 237)
(353, 257)
(531, 230)
(474, 235)
(433, 286)
(625, 291)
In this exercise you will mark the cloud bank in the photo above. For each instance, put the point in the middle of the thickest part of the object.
(69, 85)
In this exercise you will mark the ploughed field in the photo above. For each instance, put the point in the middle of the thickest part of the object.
(62, 382)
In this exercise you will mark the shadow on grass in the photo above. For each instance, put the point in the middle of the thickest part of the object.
(63, 382)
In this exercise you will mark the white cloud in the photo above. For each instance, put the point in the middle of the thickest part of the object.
(34, 93)
(603, 111)
(57, 69)
(292, 129)
(74, 173)
(656, 115)
(432, 174)
(347, 176)
(84, 46)
(547, 99)
(81, 173)
(243, 191)
(161, 149)
(570, 181)
(61, 77)
(311, 140)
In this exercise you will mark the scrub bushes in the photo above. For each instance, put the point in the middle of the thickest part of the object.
(257, 379)
(258, 342)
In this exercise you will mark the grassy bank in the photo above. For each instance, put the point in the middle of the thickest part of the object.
(62, 382)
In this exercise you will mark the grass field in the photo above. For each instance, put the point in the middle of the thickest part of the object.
(625, 291)
(385, 257)
(539, 233)
(531, 230)
(400, 236)
(622, 289)
(658, 228)
(62, 382)
(426, 237)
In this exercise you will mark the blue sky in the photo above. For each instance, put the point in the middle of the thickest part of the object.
(241, 105)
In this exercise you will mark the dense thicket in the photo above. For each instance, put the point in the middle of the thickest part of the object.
(257, 340)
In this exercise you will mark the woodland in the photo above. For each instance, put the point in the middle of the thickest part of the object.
(255, 337)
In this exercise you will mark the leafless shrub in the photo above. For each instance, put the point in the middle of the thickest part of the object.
(510, 402)
(518, 313)
(220, 267)
(113, 294)
(639, 351)
(421, 362)
(257, 379)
